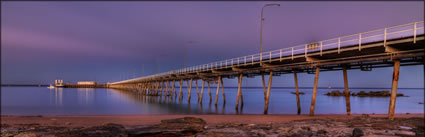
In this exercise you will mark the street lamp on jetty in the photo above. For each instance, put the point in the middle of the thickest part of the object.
(261, 32)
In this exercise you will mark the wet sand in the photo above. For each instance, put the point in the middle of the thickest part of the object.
(132, 120)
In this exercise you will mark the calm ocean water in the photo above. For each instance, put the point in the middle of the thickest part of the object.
(85, 101)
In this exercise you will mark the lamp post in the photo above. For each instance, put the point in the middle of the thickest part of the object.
(261, 32)
(185, 48)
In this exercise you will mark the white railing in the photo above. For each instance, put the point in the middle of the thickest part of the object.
(405, 30)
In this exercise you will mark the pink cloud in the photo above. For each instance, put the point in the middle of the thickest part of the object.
(12, 36)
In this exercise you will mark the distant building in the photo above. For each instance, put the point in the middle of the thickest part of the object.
(86, 83)
(59, 83)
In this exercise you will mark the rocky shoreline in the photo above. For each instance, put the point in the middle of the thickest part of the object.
(191, 126)
(385, 93)
(301, 93)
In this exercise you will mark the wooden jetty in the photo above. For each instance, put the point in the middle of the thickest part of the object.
(396, 46)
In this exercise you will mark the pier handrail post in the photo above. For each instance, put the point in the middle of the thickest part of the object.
(231, 64)
(270, 60)
(252, 60)
(321, 48)
(414, 33)
(339, 45)
(385, 37)
(360, 41)
(292, 53)
(280, 55)
(245, 60)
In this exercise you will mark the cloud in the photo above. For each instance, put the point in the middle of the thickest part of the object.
(27, 39)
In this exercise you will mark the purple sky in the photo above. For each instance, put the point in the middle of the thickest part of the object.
(111, 41)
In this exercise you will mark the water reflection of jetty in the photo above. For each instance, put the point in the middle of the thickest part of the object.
(168, 103)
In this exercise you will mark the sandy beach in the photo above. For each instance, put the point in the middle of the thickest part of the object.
(131, 120)
(213, 125)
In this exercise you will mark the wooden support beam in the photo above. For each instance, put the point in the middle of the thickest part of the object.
(166, 89)
(159, 88)
(241, 95)
(174, 88)
(158, 84)
(222, 91)
(239, 90)
(154, 88)
(189, 88)
(311, 59)
(209, 91)
(181, 91)
(197, 89)
(150, 89)
(268, 65)
(239, 69)
(169, 88)
(297, 92)
(390, 49)
(218, 89)
(202, 91)
(346, 91)
(313, 99)
(147, 89)
(391, 110)
(264, 85)
(222, 72)
(266, 105)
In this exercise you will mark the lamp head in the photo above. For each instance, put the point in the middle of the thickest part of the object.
(272, 5)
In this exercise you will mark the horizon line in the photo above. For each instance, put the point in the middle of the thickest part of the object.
(17, 85)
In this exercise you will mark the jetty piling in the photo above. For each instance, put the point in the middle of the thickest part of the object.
(394, 89)
(313, 98)
(347, 92)
(297, 92)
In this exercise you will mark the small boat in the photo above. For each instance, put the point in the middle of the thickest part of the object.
(51, 87)
(329, 87)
